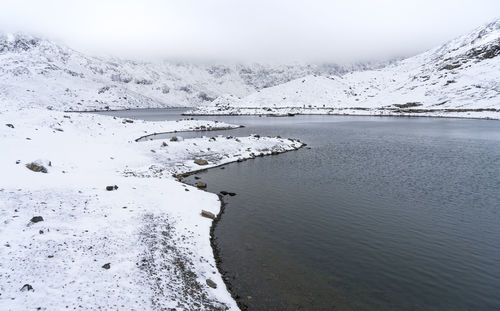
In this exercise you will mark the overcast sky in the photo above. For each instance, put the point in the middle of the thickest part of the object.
(252, 30)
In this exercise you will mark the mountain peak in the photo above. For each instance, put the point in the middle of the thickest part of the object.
(17, 42)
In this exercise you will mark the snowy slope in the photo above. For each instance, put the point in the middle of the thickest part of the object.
(67, 242)
(460, 78)
(35, 71)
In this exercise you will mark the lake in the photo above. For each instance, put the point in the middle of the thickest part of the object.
(379, 214)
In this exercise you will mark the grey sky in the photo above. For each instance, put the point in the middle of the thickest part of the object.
(251, 30)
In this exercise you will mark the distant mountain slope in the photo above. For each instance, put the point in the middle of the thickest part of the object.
(460, 78)
(38, 72)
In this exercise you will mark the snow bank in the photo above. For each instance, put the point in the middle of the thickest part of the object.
(70, 239)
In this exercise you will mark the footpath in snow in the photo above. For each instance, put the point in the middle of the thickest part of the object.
(92, 219)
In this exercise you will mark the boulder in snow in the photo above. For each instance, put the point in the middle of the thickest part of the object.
(27, 288)
(201, 162)
(36, 167)
(36, 219)
(207, 214)
(211, 283)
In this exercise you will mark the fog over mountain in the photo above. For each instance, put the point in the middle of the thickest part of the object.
(285, 31)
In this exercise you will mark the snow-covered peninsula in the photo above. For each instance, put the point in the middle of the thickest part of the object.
(71, 239)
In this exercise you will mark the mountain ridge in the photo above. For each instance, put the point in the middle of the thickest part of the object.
(36, 72)
(461, 77)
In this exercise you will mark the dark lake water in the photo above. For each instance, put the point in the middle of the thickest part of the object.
(380, 214)
(147, 114)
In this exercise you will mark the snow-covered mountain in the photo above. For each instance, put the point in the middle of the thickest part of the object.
(459, 78)
(38, 72)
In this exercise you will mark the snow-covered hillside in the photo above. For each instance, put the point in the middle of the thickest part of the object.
(460, 78)
(34, 72)
(71, 239)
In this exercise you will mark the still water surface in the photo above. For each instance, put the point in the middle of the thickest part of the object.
(380, 214)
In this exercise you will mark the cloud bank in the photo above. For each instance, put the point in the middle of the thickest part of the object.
(257, 30)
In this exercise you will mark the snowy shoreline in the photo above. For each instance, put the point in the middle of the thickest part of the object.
(142, 244)
(218, 217)
(483, 114)
(148, 136)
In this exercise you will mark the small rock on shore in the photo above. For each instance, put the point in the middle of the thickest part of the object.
(207, 214)
(201, 162)
(211, 283)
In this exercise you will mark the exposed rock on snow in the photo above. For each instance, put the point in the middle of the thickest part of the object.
(37, 167)
(201, 162)
(27, 288)
(36, 219)
(207, 214)
(211, 283)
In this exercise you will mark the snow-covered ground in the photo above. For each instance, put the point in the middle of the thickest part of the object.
(67, 242)
(459, 79)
